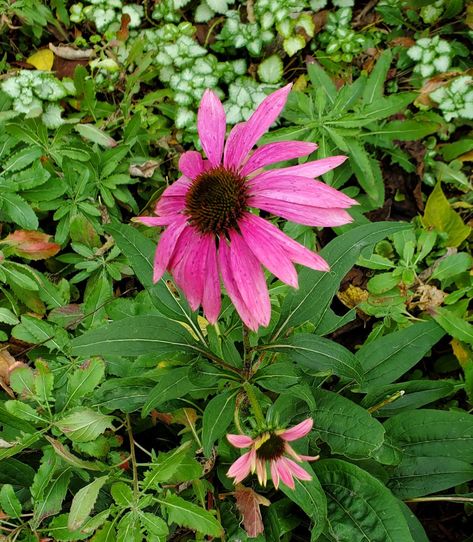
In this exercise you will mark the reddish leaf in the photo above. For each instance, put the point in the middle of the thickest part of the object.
(32, 245)
(248, 503)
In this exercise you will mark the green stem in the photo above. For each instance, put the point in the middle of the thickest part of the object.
(255, 406)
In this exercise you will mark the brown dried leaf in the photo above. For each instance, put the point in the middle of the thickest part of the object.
(143, 170)
(432, 84)
(7, 364)
(430, 297)
(69, 53)
(248, 503)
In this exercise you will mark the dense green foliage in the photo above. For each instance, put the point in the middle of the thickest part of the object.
(115, 397)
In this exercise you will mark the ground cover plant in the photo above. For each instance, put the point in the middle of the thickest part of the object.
(236, 271)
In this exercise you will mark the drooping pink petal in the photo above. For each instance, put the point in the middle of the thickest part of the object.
(301, 214)
(267, 112)
(249, 279)
(211, 125)
(299, 190)
(211, 298)
(309, 457)
(189, 273)
(261, 471)
(274, 474)
(226, 271)
(312, 169)
(296, 470)
(299, 457)
(240, 441)
(152, 221)
(166, 246)
(298, 431)
(296, 252)
(191, 164)
(272, 153)
(284, 473)
(269, 252)
(241, 468)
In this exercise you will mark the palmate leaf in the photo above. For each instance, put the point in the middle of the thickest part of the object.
(359, 506)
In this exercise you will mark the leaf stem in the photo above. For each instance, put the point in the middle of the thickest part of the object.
(255, 406)
(387, 401)
(133, 457)
(441, 499)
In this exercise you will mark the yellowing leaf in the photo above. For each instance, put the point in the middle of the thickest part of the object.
(42, 60)
(441, 217)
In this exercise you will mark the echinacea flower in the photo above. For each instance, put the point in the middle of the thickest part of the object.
(209, 229)
(273, 447)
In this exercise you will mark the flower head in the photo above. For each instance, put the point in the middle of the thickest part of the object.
(272, 447)
(210, 231)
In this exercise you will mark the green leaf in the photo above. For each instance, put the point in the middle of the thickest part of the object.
(218, 415)
(433, 433)
(35, 331)
(136, 336)
(94, 134)
(15, 209)
(187, 514)
(347, 428)
(50, 502)
(316, 289)
(440, 216)
(128, 529)
(407, 130)
(367, 171)
(122, 494)
(155, 526)
(19, 275)
(454, 325)
(390, 356)
(9, 501)
(84, 380)
(43, 382)
(310, 497)
(84, 425)
(452, 265)
(22, 381)
(319, 78)
(99, 290)
(320, 355)
(23, 411)
(165, 466)
(83, 503)
(172, 385)
(278, 376)
(270, 70)
(419, 476)
(126, 394)
(8, 317)
(359, 506)
(375, 85)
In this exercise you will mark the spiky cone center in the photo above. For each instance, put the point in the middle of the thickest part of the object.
(216, 200)
(270, 446)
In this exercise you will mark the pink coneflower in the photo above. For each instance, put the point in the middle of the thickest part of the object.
(271, 446)
(210, 231)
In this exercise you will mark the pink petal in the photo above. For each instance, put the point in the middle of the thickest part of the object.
(249, 279)
(189, 273)
(309, 457)
(240, 441)
(296, 470)
(296, 252)
(178, 188)
(225, 267)
(276, 152)
(151, 221)
(191, 164)
(211, 298)
(240, 469)
(274, 474)
(230, 147)
(301, 214)
(284, 473)
(261, 471)
(314, 168)
(298, 431)
(166, 246)
(299, 190)
(269, 252)
(267, 112)
(290, 450)
(170, 205)
(211, 125)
